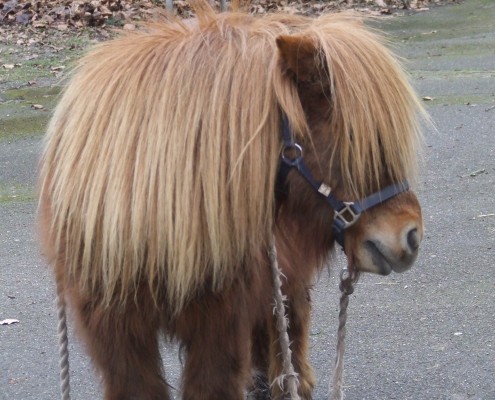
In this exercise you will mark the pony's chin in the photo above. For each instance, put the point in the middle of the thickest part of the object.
(381, 268)
(374, 260)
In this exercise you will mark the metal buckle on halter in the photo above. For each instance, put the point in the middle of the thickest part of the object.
(347, 215)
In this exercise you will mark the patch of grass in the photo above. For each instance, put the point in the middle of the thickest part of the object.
(20, 76)
(32, 70)
(35, 62)
(116, 22)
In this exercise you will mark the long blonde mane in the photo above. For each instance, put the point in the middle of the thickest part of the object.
(160, 160)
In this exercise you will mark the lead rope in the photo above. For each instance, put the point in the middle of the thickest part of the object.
(347, 281)
(63, 344)
(288, 375)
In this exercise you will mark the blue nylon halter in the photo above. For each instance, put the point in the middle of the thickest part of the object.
(346, 213)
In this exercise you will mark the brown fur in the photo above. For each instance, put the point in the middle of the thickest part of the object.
(157, 188)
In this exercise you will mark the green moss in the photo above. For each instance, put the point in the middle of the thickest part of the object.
(16, 193)
(471, 17)
(18, 118)
(34, 95)
(467, 49)
(23, 124)
(468, 100)
(452, 74)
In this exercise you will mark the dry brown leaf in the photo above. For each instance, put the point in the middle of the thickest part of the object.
(78, 14)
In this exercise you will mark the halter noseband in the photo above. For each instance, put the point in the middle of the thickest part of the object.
(346, 213)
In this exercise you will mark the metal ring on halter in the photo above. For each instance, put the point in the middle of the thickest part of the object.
(298, 154)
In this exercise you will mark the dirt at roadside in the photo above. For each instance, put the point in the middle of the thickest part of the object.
(39, 40)
(62, 14)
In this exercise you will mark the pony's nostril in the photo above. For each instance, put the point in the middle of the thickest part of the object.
(413, 239)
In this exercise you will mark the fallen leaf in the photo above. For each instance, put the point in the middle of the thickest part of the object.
(40, 24)
(9, 321)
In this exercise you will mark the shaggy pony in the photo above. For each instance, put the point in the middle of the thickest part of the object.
(159, 166)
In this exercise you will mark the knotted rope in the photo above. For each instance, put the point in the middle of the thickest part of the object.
(287, 380)
(63, 344)
(288, 375)
(347, 280)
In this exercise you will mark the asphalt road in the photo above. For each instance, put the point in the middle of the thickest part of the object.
(426, 334)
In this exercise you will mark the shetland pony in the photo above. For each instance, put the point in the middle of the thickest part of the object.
(158, 201)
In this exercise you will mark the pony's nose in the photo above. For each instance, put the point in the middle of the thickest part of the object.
(413, 239)
(410, 239)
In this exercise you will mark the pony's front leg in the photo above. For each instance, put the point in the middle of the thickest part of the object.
(259, 388)
(215, 332)
(298, 309)
(122, 342)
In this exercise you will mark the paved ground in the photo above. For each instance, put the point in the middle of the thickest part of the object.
(425, 334)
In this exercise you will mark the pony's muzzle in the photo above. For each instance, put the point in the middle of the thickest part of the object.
(382, 252)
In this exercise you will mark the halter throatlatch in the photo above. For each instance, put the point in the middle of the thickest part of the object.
(346, 213)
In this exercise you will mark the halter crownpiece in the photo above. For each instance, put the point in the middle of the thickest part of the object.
(346, 213)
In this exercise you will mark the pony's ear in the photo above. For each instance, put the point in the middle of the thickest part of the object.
(299, 57)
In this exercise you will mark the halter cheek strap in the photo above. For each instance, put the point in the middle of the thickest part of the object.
(346, 213)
